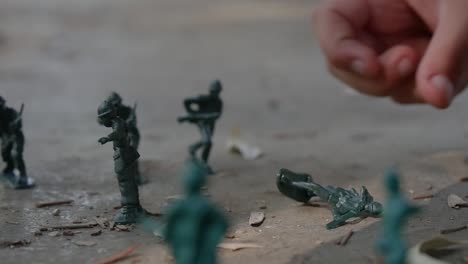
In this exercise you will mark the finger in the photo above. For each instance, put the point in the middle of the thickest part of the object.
(442, 73)
(375, 87)
(338, 24)
(398, 63)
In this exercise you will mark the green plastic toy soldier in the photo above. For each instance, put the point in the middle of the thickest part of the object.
(125, 160)
(203, 111)
(397, 211)
(345, 204)
(194, 226)
(128, 114)
(12, 147)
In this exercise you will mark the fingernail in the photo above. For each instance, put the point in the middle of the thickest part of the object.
(405, 67)
(441, 82)
(358, 67)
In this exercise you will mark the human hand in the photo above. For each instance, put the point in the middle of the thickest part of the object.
(414, 51)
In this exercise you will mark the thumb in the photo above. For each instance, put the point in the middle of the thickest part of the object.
(442, 72)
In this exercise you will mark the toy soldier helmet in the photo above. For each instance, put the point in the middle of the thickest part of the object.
(115, 98)
(375, 209)
(2, 101)
(104, 109)
(194, 175)
(216, 87)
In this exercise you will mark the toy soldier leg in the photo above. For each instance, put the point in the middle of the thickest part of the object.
(196, 146)
(7, 147)
(128, 187)
(18, 155)
(207, 134)
(134, 141)
(130, 202)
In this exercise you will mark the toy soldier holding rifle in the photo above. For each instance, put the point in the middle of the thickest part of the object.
(11, 124)
(204, 111)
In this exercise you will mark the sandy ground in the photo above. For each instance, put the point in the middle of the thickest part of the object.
(62, 58)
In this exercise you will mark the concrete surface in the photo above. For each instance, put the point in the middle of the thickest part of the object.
(61, 58)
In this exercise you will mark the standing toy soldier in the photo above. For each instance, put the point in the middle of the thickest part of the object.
(128, 114)
(397, 211)
(12, 146)
(125, 161)
(203, 111)
(194, 226)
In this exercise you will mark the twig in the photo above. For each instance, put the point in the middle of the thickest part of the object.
(118, 256)
(453, 230)
(53, 203)
(423, 196)
(345, 239)
(79, 226)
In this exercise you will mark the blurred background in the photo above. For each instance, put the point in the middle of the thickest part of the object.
(63, 57)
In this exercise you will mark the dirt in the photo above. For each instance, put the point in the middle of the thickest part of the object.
(62, 58)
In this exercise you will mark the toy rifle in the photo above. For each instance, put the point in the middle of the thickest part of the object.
(133, 117)
(194, 118)
(16, 124)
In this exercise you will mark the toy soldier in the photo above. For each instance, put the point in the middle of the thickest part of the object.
(12, 146)
(125, 160)
(203, 111)
(397, 211)
(194, 226)
(345, 204)
(128, 114)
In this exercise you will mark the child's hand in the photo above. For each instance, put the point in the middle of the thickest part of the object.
(414, 51)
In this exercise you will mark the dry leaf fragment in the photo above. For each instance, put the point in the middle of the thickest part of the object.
(456, 201)
(421, 253)
(124, 228)
(68, 233)
(54, 234)
(256, 218)
(238, 146)
(238, 246)
(85, 243)
(96, 233)
(102, 222)
(230, 236)
(174, 198)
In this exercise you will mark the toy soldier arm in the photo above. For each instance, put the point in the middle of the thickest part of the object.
(118, 133)
(194, 100)
(17, 122)
(340, 220)
(193, 118)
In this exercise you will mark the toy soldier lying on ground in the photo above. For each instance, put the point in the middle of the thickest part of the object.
(128, 114)
(12, 146)
(203, 111)
(125, 160)
(345, 204)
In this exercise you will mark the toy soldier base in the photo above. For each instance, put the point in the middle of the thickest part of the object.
(17, 181)
(125, 164)
(345, 204)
